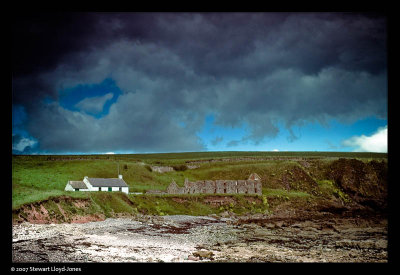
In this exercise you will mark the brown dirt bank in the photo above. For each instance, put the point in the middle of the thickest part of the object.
(57, 210)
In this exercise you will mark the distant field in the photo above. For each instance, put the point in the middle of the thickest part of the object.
(38, 177)
(178, 158)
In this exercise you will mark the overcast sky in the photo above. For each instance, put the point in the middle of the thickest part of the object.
(174, 82)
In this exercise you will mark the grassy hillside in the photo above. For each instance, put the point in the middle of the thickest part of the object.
(287, 175)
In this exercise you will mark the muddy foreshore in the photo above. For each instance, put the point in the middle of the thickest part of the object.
(180, 238)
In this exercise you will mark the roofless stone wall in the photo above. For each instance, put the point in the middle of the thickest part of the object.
(251, 186)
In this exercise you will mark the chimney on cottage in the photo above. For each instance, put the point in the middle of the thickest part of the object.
(120, 177)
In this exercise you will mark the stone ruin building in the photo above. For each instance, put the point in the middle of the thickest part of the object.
(162, 169)
(250, 186)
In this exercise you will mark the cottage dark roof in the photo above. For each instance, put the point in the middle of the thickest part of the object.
(78, 184)
(113, 182)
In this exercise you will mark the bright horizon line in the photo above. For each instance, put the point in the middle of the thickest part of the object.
(177, 152)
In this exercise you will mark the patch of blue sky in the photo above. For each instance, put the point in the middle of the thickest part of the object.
(216, 137)
(311, 136)
(329, 137)
(69, 98)
(19, 117)
(18, 114)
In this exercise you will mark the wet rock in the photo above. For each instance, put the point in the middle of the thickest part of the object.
(171, 238)
(225, 214)
(270, 225)
(193, 258)
(279, 224)
(203, 254)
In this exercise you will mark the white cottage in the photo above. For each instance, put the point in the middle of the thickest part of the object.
(98, 184)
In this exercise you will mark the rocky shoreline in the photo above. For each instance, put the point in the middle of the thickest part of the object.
(182, 238)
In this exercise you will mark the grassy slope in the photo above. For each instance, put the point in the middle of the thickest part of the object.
(36, 178)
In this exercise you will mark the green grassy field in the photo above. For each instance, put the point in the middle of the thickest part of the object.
(36, 178)
(179, 158)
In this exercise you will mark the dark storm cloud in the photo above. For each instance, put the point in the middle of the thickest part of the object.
(176, 68)
(143, 132)
(42, 40)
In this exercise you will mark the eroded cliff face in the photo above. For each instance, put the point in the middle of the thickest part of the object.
(58, 210)
(364, 183)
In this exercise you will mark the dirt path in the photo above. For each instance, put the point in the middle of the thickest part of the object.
(191, 239)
